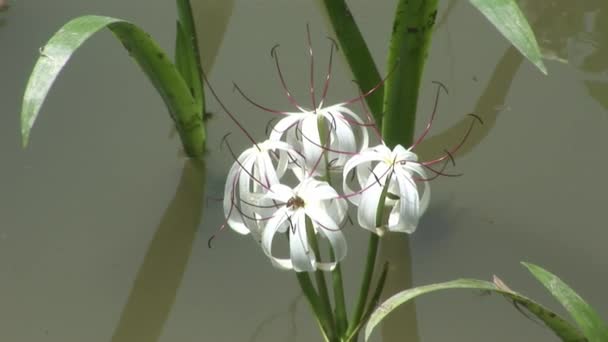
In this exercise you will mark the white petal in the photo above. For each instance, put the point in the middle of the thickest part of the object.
(312, 152)
(406, 219)
(338, 244)
(320, 218)
(283, 125)
(280, 192)
(368, 206)
(268, 236)
(302, 257)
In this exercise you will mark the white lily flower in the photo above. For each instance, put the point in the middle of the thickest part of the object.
(400, 167)
(311, 200)
(301, 130)
(251, 175)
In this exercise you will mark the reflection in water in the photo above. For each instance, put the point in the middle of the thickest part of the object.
(401, 324)
(568, 29)
(291, 328)
(160, 274)
(489, 105)
(211, 18)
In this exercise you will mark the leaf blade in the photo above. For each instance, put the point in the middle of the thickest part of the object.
(560, 326)
(506, 16)
(583, 314)
(149, 56)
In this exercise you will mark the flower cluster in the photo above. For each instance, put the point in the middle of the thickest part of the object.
(287, 184)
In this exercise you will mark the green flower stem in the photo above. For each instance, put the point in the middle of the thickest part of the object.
(320, 279)
(372, 252)
(336, 275)
(357, 53)
(412, 31)
(315, 302)
(338, 287)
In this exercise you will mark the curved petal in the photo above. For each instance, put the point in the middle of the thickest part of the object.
(283, 125)
(268, 236)
(338, 244)
(368, 205)
(302, 258)
(320, 218)
(312, 152)
(408, 214)
(280, 192)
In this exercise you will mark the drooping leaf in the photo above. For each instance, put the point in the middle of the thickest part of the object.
(150, 57)
(506, 16)
(583, 314)
(566, 331)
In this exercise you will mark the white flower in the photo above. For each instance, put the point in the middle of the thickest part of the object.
(400, 167)
(302, 130)
(311, 200)
(251, 175)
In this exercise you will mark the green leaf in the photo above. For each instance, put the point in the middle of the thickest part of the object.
(583, 314)
(561, 327)
(506, 16)
(150, 57)
(187, 56)
(357, 54)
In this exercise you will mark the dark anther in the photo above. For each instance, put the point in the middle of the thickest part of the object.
(334, 43)
(210, 241)
(442, 86)
(224, 139)
(272, 50)
(476, 117)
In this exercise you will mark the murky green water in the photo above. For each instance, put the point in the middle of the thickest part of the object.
(100, 237)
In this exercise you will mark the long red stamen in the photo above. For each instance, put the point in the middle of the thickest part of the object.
(275, 56)
(457, 147)
(430, 123)
(230, 115)
(312, 68)
(329, 67)
(248, 99)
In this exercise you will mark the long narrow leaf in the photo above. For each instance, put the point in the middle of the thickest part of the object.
(506, 16)
(561, 327)
(153, 61)
(357, 54)
(583, 314)
(187, 50)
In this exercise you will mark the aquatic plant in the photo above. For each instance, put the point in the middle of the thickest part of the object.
(589, 325)
(179, 83)
(288, 184)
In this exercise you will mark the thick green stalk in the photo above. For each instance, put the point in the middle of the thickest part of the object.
(357, 53)
(320, 278)
(412, 30)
